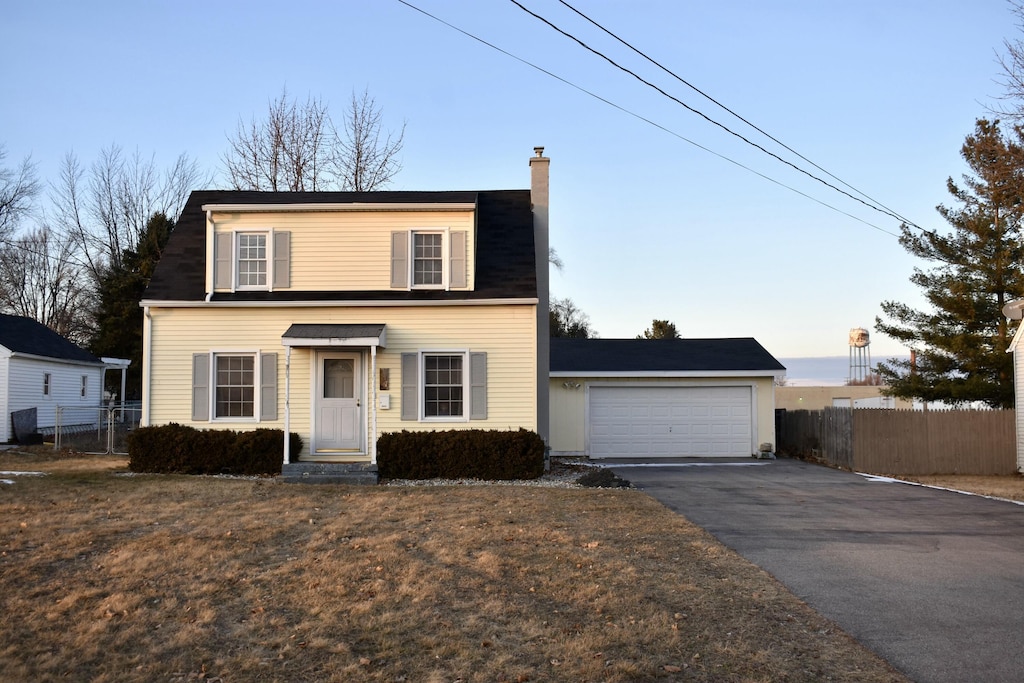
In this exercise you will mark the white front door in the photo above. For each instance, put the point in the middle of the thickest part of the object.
(338, 402)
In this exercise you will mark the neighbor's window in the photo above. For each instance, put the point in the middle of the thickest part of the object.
(85, 385)
(46, 384)
(252, 260)
(442, 385)
(428, 259)
(235, 390)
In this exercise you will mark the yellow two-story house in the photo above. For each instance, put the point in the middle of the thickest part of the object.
(341, 316)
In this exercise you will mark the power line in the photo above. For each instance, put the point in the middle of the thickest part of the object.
(650, 122)
(749, 123)
(704, 116)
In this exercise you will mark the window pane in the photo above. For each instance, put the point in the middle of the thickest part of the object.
(235, 391)
(428, 259)
(252, 260)
(339, 378)
(442, 394)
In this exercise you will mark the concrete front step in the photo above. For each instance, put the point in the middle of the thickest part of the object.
(329, 473)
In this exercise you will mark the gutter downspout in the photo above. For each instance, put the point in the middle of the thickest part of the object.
(287, 404)
(209, 257)
(147, 366)
(373, 404)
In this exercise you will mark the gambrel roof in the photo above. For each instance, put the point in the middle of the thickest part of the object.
(26, 336)
(663, 356)
(505, 257)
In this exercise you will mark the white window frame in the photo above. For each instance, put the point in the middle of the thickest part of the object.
(85, 386)
(47, 383)
(236, 257)
(445, 257)
(256, 379)
(466, 387)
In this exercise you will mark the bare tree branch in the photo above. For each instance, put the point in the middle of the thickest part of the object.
(298, 148)
(18, 189)
(39, 280)
(104, 211)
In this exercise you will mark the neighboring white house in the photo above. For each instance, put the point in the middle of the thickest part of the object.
(1015, 311)
(41, 369)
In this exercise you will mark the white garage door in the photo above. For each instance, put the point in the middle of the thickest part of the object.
(665, 422)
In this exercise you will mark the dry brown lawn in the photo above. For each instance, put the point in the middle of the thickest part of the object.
(105, 577)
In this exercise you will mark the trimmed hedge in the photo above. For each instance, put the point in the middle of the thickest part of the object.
(175, 448)
(461, 454)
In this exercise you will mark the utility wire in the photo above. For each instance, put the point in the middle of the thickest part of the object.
(704, 116)
(749, 123)
(652, 123)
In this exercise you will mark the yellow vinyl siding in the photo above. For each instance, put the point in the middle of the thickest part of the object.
(348, 250)
(569, 405)
(506, 333)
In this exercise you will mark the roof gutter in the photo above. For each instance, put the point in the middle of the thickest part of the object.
(350, 206)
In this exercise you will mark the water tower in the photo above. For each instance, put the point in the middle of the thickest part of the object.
(860, 354)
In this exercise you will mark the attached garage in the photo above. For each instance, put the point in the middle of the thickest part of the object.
(650, 399)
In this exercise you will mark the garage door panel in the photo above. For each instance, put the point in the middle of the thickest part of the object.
(652, 422)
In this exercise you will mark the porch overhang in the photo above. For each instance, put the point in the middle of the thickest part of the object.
(320, 335)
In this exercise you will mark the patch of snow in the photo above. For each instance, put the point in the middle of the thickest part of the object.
(891, 480)
(13, 473)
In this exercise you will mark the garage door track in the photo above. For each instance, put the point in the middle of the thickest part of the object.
(931, 580)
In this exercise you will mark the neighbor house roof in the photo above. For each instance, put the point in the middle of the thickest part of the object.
(625, 357)
(505, 256)
(26, 336)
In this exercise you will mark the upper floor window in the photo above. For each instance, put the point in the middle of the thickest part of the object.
(252, 260)
(85, 385)
(46, 384)
(427, 259)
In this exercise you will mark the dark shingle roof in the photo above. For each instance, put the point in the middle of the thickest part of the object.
(505, 260)
(24, 335)
(596, 356)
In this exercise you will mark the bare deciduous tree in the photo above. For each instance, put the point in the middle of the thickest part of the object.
(18, 188)
(1012, 63)
(104, 210)
(40, 279)
(299, 148)
(369, 159)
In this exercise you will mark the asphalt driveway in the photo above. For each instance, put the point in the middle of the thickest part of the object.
(931, 580)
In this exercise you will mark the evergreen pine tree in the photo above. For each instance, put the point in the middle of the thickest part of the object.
(960, 344)
(118, 316)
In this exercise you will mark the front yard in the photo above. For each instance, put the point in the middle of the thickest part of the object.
(108, 577)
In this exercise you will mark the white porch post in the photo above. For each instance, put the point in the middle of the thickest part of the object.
(287, 404)
(373, 404)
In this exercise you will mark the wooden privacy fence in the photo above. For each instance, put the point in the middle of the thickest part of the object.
(902, 441)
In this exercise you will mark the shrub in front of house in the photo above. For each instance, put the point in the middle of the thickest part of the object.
(179, 449)
(461, 454)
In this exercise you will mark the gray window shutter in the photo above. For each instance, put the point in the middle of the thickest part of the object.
(457, 263)
(223, 255)
(282, 259)
(410, 386)
(201, 387)
(478, 386)
(400, 260)
(268, 386)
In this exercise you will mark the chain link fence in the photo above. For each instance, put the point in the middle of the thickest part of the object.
(96, 430)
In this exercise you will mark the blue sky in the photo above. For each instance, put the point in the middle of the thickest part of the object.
(879, 93)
